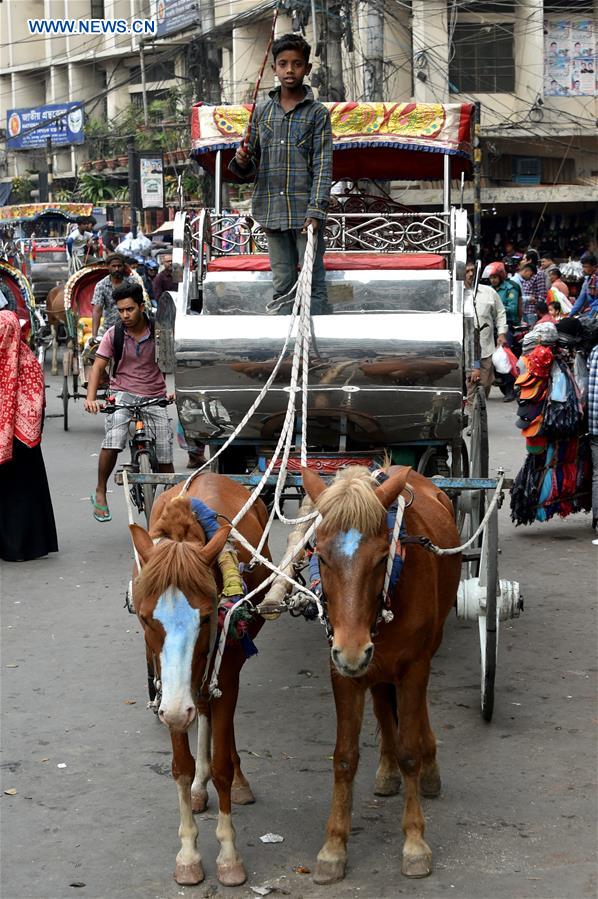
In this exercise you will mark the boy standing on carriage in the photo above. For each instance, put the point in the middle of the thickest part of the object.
(289, 156)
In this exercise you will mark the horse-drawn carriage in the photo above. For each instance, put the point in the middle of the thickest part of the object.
(284, 399)
(387, 365)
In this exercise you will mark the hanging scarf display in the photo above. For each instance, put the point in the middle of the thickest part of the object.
(555, 478)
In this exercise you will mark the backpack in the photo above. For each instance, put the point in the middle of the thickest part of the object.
(118, 341)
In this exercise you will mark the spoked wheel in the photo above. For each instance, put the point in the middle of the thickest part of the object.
(488, 620)
(148, 491)
(472, 503)
(65, 402)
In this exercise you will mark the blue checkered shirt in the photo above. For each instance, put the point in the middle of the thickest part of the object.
(593, 392)
(291, 162)
(533, 290)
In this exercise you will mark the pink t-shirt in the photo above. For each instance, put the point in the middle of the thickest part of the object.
(137, 371)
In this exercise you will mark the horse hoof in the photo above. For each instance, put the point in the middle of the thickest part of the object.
(430, 784)
(232, 875)
(417, 865)
(199, 802)
(387, 784)
(188, 875)
(241, 794)
(329, 871)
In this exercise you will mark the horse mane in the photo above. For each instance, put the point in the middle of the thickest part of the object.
(350, 502)
(176, 562)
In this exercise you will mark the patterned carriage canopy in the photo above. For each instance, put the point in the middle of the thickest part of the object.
(19, 286)
(28, 212)
(385, 141)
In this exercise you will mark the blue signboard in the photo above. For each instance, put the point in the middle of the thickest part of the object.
(62, 123)
(175, 15)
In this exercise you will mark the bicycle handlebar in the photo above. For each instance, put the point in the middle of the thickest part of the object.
(157, 401)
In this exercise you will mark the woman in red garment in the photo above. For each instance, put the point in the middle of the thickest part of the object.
(27, 528)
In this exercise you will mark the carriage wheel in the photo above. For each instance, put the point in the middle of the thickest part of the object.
(488, 623)
(65, 402)
(148, 491)
(472, 504)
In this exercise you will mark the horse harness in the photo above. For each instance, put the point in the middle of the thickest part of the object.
(397, 539)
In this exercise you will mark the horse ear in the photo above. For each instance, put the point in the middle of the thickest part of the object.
(214, 547)
(390, 489)
(142, 542)
(313, 483)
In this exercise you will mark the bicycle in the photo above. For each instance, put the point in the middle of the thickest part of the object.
(142, 446)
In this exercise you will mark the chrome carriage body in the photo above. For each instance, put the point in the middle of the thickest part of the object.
(387, 365)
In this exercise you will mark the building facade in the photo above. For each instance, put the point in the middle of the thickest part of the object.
(529, 64)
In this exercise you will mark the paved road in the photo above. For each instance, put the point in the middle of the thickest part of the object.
(95, 812)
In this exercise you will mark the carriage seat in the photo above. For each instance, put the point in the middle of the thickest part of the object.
(335, 261)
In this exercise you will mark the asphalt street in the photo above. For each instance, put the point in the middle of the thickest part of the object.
(88, 805)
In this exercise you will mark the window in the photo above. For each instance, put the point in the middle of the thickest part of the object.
(154, 71)
(483, 59)
(527, 170)
(96, 10)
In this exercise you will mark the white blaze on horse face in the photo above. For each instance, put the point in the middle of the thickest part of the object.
(181, 626)
(347, 542)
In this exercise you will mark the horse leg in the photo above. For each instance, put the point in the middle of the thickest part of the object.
(231, 871)
(388, 775)
(188, 868)
(349, 701)
(199, 792)
(241, 792)
(429, 780)
(417, 855)
(54, 333)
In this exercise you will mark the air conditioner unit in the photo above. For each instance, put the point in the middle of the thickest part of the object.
(527, 170)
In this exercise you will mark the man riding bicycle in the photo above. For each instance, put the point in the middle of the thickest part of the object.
(135, 376)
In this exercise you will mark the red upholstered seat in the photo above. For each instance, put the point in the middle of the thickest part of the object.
(336, 262)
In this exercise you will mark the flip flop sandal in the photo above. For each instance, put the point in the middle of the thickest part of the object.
(97, 505)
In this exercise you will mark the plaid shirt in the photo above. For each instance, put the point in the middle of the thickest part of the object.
(291, 162)
(593, 392)
(533, 290)
(102, 296)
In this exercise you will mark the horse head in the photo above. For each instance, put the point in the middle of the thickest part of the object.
(176, 600)
(352, 547)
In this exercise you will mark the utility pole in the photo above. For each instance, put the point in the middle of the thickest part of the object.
(143, 82)
(132, 183)
(208, 22)
(477, 181)
(50, 167)
(334, 58)
(373, 85)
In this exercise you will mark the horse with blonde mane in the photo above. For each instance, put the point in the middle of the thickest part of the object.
(391, 658)
(176, 598)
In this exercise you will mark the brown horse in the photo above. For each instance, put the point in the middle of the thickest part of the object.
(175, 596)
(393, 663)
(56, 315)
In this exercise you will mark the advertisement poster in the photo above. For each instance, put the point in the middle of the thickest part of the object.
(62, 123)
(570, 58)
(151, 181)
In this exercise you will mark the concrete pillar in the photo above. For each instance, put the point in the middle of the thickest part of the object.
(529, 49)
(430, 51)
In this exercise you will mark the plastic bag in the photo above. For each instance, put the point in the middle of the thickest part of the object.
(581, 375)
(501, 361)
(558, 385)
(512, 361)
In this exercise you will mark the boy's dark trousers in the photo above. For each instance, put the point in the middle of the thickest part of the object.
(286, 250)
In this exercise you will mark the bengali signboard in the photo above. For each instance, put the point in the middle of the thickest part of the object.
(31, 127)
(570, 46)
(151, 180)
(175, 15)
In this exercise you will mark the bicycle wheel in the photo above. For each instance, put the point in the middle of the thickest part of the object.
(148, 490)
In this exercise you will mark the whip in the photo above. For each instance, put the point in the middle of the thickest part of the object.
(245, 141)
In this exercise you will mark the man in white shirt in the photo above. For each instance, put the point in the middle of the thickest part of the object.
(489, 316)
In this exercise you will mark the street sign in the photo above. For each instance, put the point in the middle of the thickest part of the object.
(175, 15)
(151, 180)
(34, 126)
